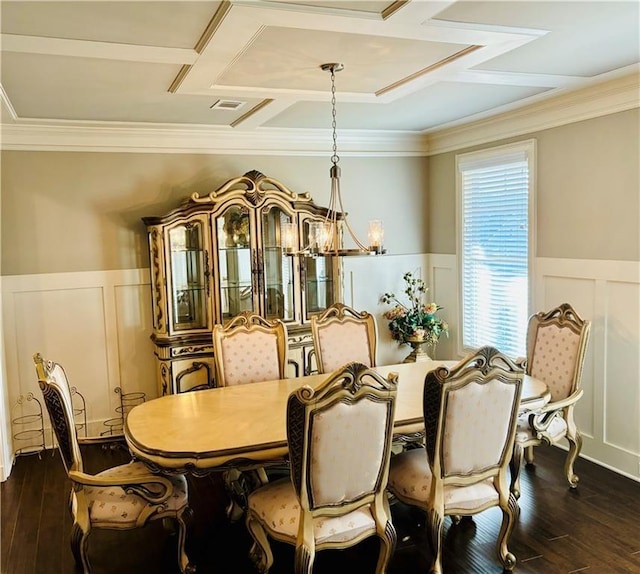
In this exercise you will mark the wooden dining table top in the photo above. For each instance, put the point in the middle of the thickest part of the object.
(242, 424)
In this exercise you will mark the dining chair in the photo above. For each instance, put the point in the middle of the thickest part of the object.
(342, 335)
(119, 498)
(336, 495)
(470, 415)
(249, 349)
(556, 346)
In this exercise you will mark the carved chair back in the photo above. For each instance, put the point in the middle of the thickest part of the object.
(342, 335)
(249, 349)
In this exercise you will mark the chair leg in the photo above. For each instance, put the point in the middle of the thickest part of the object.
(304, 559)
(528, 455)
(434, 528)
(510, 513)
(575, 446)
(515, 464)
(80, 547)
(387, 545)
(183, 559)
(260, 552)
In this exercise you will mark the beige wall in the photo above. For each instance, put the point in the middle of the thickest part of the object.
(588, 191)
(81, 211)
(76, 211)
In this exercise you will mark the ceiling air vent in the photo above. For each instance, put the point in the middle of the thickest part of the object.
(230, 105)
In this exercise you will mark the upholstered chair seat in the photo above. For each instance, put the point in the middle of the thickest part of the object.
(556, 430)
(556, 346)
(280, 507)
(119, 498)
(410, 478)
(336, 495)
(470, 415)
(110, 505)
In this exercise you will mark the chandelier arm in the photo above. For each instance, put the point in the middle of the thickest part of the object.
(345, 221)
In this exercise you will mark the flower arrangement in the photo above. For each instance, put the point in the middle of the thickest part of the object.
(237, 227)
(417, 321)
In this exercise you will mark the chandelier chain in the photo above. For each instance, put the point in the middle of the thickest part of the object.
(334, 158)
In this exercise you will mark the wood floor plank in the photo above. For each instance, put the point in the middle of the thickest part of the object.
(9, 507)
(52, 528)
(27, 519)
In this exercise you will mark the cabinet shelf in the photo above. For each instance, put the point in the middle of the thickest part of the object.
(183, 288)
(235, 249)
(186, 250)
(246, 285)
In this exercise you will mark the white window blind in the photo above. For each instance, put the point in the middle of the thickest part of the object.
(495, 189)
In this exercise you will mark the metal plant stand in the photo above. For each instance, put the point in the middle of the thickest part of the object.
(32, 424)
(115, 425)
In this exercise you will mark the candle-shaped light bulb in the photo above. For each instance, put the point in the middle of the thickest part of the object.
(289, 237)
(376, 235)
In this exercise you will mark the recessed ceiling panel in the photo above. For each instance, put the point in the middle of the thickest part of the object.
(439, 104)
(103, 90)
(170, 24)
(606, 38)
(290, 58)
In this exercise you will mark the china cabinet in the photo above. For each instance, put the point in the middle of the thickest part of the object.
(218, 255)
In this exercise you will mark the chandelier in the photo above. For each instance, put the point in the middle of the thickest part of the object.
(326, 236)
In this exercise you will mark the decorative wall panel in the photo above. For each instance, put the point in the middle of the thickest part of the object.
(96, 324)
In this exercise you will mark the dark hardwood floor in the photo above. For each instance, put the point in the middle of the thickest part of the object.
(594, 529)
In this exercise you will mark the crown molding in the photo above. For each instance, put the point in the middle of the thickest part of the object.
(616, 95)
(145, 138)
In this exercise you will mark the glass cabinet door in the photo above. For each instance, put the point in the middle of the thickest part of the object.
(236, 261)
(189, 263)
(318, 278)
(276, 267)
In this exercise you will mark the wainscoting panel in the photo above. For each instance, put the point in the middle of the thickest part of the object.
(443, 289)
(621, 388)
(608, 294)
(368, 278)
(69, 327)
(95, 324)
(137, 370)
(581, 294)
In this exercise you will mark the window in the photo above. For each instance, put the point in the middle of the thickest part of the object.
(495, 227)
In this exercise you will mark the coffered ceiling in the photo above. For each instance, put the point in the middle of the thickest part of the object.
(415, 66)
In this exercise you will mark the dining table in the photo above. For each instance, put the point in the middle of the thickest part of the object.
(228, 427)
